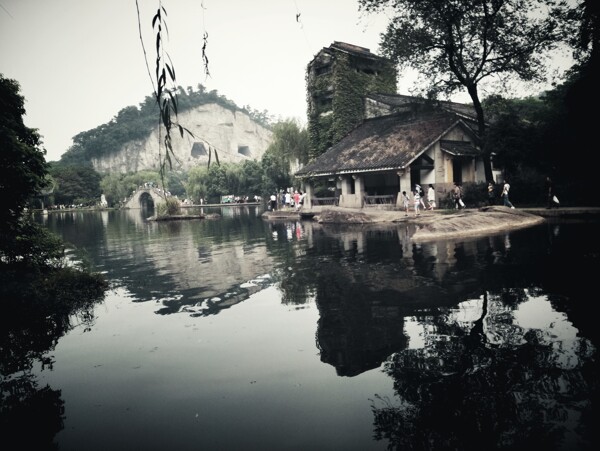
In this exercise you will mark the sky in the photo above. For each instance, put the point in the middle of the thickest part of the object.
(79, 62)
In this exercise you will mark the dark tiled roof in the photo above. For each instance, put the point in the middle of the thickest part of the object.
(459, 148)
(354, 49)
(350, 49)
(383, 143)
(400, 100)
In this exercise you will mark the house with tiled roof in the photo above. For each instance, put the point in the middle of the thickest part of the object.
(400, 142)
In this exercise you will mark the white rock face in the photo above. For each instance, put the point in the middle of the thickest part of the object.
(234, 136)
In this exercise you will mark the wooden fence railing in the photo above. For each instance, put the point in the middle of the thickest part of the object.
(325, 201)
(387, 199)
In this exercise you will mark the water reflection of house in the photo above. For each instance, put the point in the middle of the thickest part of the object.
(399, 140)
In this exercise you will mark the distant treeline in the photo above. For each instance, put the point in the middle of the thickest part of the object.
(136, 123)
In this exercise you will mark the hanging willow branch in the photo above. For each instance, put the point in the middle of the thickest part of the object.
(166, 98)
(164, 85)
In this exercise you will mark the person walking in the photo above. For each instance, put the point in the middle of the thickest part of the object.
(288, 200)
(405, 202)
(421, 196)
(417, 199)
(301, 200)
(431, 197)
(505, 191)
(550, 194)
(457, 196)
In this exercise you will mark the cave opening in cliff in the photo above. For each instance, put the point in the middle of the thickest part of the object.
(199, 150)
(244, 150)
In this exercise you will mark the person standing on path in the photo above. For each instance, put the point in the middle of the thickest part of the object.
(550, 194)
(431, 197)
(491, 194)
(505, 190)
(296, 200)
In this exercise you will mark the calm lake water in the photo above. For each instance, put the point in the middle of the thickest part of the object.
(242, 334)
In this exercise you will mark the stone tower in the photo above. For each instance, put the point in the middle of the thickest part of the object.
(337, 80)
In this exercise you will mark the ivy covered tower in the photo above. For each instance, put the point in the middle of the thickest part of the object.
(337, 80)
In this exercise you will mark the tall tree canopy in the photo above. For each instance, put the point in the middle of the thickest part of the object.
(23, 171)
(22, 164)
(457, 44)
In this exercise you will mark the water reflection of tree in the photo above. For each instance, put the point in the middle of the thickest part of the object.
(463, 391)
(485, 384)
(286, 243)
(36, 313)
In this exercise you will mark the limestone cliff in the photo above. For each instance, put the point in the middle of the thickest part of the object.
(234, 135)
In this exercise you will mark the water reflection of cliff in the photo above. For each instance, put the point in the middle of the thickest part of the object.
(198, 266)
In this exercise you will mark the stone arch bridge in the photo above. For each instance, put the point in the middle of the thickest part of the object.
(142, 195)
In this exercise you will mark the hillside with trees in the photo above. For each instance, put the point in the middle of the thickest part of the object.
(137, 123)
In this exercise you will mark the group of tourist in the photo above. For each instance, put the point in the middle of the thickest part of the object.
(418, 199)
(287, 200)
(421, 200)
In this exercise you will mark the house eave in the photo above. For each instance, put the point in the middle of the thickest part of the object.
(349, 172)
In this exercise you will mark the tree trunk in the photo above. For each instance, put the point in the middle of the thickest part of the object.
(487, 161)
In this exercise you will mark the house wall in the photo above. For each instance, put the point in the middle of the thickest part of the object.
(428, 177)
(404, 180)
(441, 176)
(349, 199)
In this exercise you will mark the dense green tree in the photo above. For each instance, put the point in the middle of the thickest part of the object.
(289, 147)
(196, 185)
(458, 44)
(175, 181)
(244, 179)
(514, 132)
(23, 175)
(23, 170)
(534, 138)
(251, 179)
(217, 183)
(276, 174)
(22, 164)
(75, 185)
(114, 189)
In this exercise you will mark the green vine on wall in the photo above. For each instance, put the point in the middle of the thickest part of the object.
(345, 83)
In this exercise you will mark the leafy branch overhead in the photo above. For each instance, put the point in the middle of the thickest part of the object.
(165, 90)
(457, 44)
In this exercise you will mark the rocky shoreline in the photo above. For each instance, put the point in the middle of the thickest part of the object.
(429, 225)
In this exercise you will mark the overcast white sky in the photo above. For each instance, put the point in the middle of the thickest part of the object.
(79, 62)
